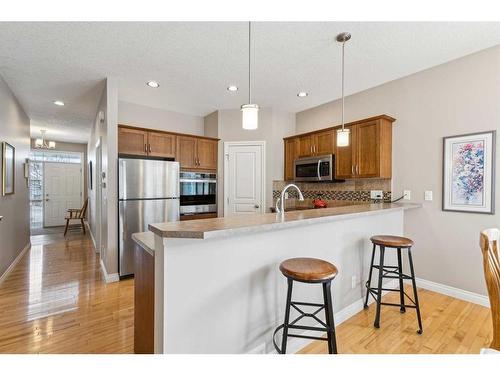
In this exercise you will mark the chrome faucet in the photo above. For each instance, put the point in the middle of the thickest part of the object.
(280, 202)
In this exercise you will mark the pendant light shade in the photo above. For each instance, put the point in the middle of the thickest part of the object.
(250, 116)
(343, 134)
(249, 112)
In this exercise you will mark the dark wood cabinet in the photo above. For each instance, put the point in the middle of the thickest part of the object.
(144, 299)
(197, 153)
(192, 152)
(132, 141)
(368, 155)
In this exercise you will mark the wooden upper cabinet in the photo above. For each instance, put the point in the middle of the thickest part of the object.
(369, 154)
(206, 150)
(368, 150)
(304, 146)
(161, 144)
(290, 152)
(132, 141)
(345, 157)
(324, 143)
(186, 152)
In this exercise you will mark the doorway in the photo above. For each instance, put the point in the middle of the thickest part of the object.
(244, 177)
(55, 185)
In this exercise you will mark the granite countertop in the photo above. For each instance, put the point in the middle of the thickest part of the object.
(146, 240)
(228, 226)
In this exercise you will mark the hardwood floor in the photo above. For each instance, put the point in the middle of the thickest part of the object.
(450, 326)
(56, 301)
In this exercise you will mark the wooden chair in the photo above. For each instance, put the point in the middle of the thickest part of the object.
(77, 214)
(489, 239)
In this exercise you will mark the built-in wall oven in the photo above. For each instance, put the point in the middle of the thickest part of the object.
(315, 169)
(198, 193)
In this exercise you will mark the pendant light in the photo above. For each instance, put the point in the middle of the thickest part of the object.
(249, 112)
(42, 143)
(343, 134)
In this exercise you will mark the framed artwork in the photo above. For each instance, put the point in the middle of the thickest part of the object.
(469, 173)
(8, 168)
(90, 175)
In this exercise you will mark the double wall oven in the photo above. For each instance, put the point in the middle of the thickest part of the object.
(198, 194)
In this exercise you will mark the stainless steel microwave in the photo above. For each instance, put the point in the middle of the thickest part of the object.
(315, 169)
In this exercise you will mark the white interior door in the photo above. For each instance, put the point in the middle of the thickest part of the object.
(244, 178)
(62, 190)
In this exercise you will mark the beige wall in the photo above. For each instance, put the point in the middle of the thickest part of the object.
(15, 226)
(462, 96)
(73, 147)
(154, 118)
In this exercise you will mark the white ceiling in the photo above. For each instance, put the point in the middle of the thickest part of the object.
(195, 62)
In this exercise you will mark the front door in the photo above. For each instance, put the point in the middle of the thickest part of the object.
(62, 190)
(243, 178)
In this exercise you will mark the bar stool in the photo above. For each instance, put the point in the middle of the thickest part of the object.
(392, 272)
(313, 271)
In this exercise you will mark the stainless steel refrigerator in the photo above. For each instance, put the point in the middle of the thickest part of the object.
(148, 192)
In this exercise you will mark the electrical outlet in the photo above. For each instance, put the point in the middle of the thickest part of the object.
(376, 194)
(354, 281)
(407, 194)
(428, 195)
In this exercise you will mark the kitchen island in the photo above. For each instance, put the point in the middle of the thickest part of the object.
(217, 286)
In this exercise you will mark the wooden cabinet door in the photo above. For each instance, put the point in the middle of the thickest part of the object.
(368, 150)
(324, 143)
(345, 157)
(186, 152)
(290, 154)
(132, 141)
(161, 144)
(206, 151)
(304, 146)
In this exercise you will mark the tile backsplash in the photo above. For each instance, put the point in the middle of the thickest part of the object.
(350, 190)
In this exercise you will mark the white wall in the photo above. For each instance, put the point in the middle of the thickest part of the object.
(462, 96)
(15, 226)
(154, 118)
(273, 126)
(108, 133)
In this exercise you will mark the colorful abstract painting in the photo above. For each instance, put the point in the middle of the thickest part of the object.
(468, 172)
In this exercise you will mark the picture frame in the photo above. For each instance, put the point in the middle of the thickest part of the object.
(90, 175)
(8, 168)
(469, 173)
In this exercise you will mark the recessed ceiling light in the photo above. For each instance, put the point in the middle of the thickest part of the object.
(232, 88)
(302, 94)
(153, 84)
(59, 102)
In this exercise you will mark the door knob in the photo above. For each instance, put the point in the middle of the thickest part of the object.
(47, 199)
(257, 206)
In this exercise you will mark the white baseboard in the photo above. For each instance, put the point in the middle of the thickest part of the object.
(464, 295)
(294, 344)
(109, 277)
(93, 239)
(13, 264)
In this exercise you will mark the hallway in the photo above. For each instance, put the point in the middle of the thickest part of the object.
(56, 301)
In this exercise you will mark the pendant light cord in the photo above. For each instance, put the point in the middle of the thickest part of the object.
(343, 44)
(249, 64)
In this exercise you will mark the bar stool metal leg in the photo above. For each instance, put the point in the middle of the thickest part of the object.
(327, 297)
(287, 316)
(401, 287)
(379, 291)
(368, 283)
(415, 294)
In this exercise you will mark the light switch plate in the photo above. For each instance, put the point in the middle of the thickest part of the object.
(407, 194)
(428, 195)
(376, 194)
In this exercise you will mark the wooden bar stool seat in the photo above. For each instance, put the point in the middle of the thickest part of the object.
(308, 270)
(392, 241)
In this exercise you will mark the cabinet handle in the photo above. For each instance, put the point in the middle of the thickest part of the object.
(357, 169)
(145, 148)
(150, 147)
(352, 169)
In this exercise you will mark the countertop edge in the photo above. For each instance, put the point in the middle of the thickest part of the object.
(222, 233)
(145, 240)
